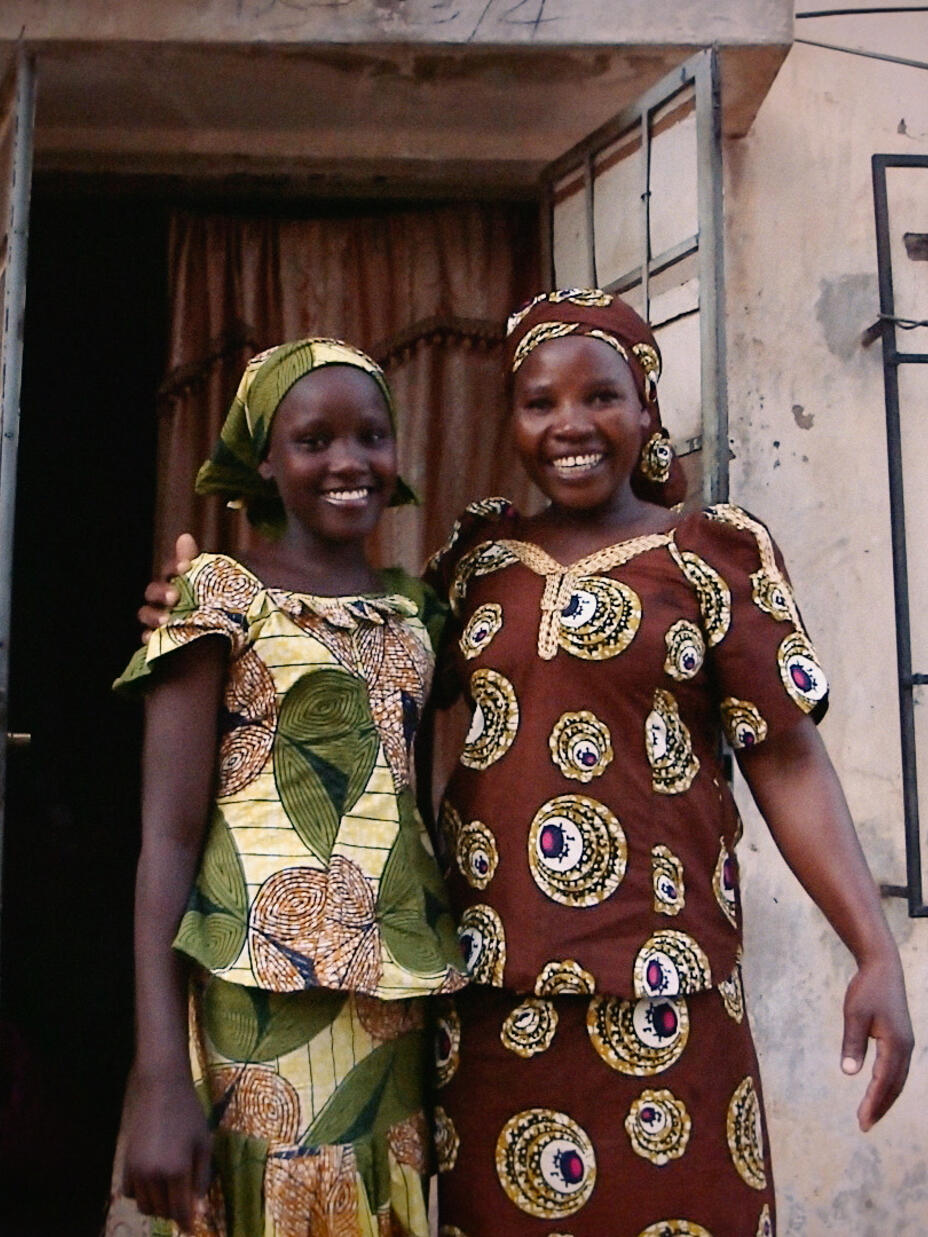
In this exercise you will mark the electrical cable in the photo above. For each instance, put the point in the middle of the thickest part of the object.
(883, 8)
(858, 51)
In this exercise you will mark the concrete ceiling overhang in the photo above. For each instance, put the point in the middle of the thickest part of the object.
(274, 93)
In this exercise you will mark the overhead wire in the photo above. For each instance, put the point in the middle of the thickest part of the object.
(858, 51)
(882, 8)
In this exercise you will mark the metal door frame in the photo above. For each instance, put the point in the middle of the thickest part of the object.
(17, 110)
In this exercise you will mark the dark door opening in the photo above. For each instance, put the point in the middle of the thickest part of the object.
(94, 355)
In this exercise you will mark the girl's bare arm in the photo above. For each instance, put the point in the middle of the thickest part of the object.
(797, 790)
(168, 1149)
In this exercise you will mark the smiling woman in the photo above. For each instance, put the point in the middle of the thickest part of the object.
(578, 421)
(332, 457)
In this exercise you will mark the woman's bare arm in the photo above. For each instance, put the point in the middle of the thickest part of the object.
(168, 1148)
(798, 793)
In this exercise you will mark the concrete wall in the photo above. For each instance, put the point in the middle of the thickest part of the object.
(807, 425)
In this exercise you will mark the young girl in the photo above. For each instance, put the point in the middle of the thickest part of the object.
(598, 1079)
(286, 890)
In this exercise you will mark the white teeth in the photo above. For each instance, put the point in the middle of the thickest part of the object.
(576, 463)
(345, 496)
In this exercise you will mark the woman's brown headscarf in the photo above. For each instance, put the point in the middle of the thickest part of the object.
(588, 311)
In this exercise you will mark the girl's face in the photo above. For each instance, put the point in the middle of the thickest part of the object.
(332, 453)
(578, 422)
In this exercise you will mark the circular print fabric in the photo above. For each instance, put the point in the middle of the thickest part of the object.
(686, 650)
(675, 1228)
(495, 719)
(483, 560)
(802, 676)
(481, 627)
(745, 1136)
(581, 745)
(447, 1142)
(658, 1126)
(765, 1223)
(712, 594)
(731, 991)
(669, 963)
(546, 1164)
(669, 747)
(483, 943)
(577, 851)
(725, 884)
(449, 826)
(770, 593)
(742, 722)
(638, 1038)
(529, 1028)
(447, 1043)
(564, 978)
(667, 881)
(600, 619)
(250, 719)
(476, 853)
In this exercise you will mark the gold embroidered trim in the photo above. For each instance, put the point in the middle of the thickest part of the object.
(561, 581)
(769, 574)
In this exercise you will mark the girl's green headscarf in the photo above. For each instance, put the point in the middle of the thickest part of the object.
(232, 470)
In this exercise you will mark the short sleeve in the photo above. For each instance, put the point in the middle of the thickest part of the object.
(215, 596)
(480, 520)
(765, 670)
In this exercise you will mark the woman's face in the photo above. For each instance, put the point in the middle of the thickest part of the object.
(332, 453)
(578, 422)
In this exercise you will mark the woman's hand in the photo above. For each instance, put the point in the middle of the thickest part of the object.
(797, 790)
(167, 1148)
(875, 1008)
(160, 595)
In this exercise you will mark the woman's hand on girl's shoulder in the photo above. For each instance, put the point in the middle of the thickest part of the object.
(168, 1149)
(875, 1008)
(161, 594)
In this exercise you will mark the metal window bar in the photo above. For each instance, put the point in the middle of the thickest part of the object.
(913, 890)
(701, 73)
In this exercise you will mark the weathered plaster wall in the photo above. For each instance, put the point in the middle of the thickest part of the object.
(807, 424)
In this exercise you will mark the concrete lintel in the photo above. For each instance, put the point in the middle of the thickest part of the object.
(458, 22)
(421, 113)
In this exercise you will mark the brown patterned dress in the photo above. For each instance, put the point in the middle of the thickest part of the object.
(599, 1079)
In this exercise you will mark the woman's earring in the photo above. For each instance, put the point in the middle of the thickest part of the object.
(656, 458)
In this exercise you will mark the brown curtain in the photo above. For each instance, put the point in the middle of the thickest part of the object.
(425, 290)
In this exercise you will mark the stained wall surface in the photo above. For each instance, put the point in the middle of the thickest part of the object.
(809, 456)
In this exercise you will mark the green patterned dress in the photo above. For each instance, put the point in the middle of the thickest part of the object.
(318, 919)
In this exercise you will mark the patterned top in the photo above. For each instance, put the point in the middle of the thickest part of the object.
(317, 870)
(589, 830)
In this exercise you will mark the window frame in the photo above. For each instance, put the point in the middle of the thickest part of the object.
(913, 890)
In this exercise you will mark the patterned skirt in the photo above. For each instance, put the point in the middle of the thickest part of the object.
(316, 1102)
(596, 1117)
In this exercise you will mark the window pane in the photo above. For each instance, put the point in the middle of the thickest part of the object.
(913, 421)
(570, 244)
(679, 386)
(673, 184)
(617, 208)
(906, 194)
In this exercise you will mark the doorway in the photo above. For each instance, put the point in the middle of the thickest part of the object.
(96, 321)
